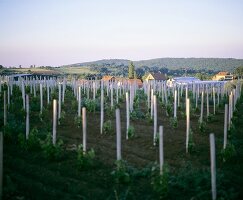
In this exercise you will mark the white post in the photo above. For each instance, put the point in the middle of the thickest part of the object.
(1, 164)
(84, 128)
(201, 116)
(127, 113)
(187, 123)
(118, 134)
(213, 166)
(214, 102)
(101, 109)
(175, 103)
(225, 125)
(112, 102)
(161, 149)
(155, 118)
(41, 98)
(207, 102)
(5, 108)
(27, 117)
(59, 102)
(79, 101)
(54, 129)
(23, 94)
(152, 101)
(48, 93)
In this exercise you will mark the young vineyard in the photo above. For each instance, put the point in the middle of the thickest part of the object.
(92, 139)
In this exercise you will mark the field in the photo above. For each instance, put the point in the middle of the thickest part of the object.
(34, 172)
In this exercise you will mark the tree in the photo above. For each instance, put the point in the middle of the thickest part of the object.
(131, 69)
(239, 71)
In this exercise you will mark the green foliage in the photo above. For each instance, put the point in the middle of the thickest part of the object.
(78, 121)
(137, 114)
(174, 122)
(131, 132)
(120, 174)
(160, 182)
(131, 69)
(191, 144)
(169, 109)
(50, 151)
(107, 127)
(91, 105)
(62, 117)
(202, 127)
(211, 118)
(32, 143)
(85, 159)
(228, 153)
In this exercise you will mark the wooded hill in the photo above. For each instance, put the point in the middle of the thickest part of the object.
(205, 64)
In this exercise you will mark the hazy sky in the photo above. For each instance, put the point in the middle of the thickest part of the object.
(56, 32)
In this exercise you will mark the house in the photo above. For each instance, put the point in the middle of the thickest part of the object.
(108, 78)
(223, 76)
(155, 76)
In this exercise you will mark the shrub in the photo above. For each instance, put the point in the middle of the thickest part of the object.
(52, 152)
(191, 144)
(120, 174)
(202, 126)
(228, 153)
(160, 182)
(78, 121)
(85, 159)
(107, 127)
(169, 109)
(32, 143)
(131, 132)
(174, 122)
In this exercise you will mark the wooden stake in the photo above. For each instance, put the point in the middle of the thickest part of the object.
(187, 123)
(127, 113)
(84, 128)
(161, 149)
(27, 118)
(213, 166)
(5, 108)
(118, 135)
(101, 109)
(175, 103)
(54, 129)
(225, 125)
(155, 118)
(1, 164)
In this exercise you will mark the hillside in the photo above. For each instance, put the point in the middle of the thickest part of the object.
(205, 64)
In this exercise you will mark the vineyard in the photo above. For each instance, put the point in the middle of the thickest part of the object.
(79, 139)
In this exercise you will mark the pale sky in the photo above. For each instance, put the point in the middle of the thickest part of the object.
(57, 32)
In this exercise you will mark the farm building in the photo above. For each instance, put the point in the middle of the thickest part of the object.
(182, 81)
(223, 76)
(155, 77)
(108, 78)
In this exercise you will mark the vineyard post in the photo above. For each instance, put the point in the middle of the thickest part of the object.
(54, 129)
(213, 166)
(175, 103)
(27, 117)
(41, 98)
(161, 149)
(201, 115)
(118, 134)
(187, 123)
(101, 109)
(225, 125)
(5, 108)
(155, 118)
(84, 121)
(127, 113)
(59, 102)
(1, 164)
